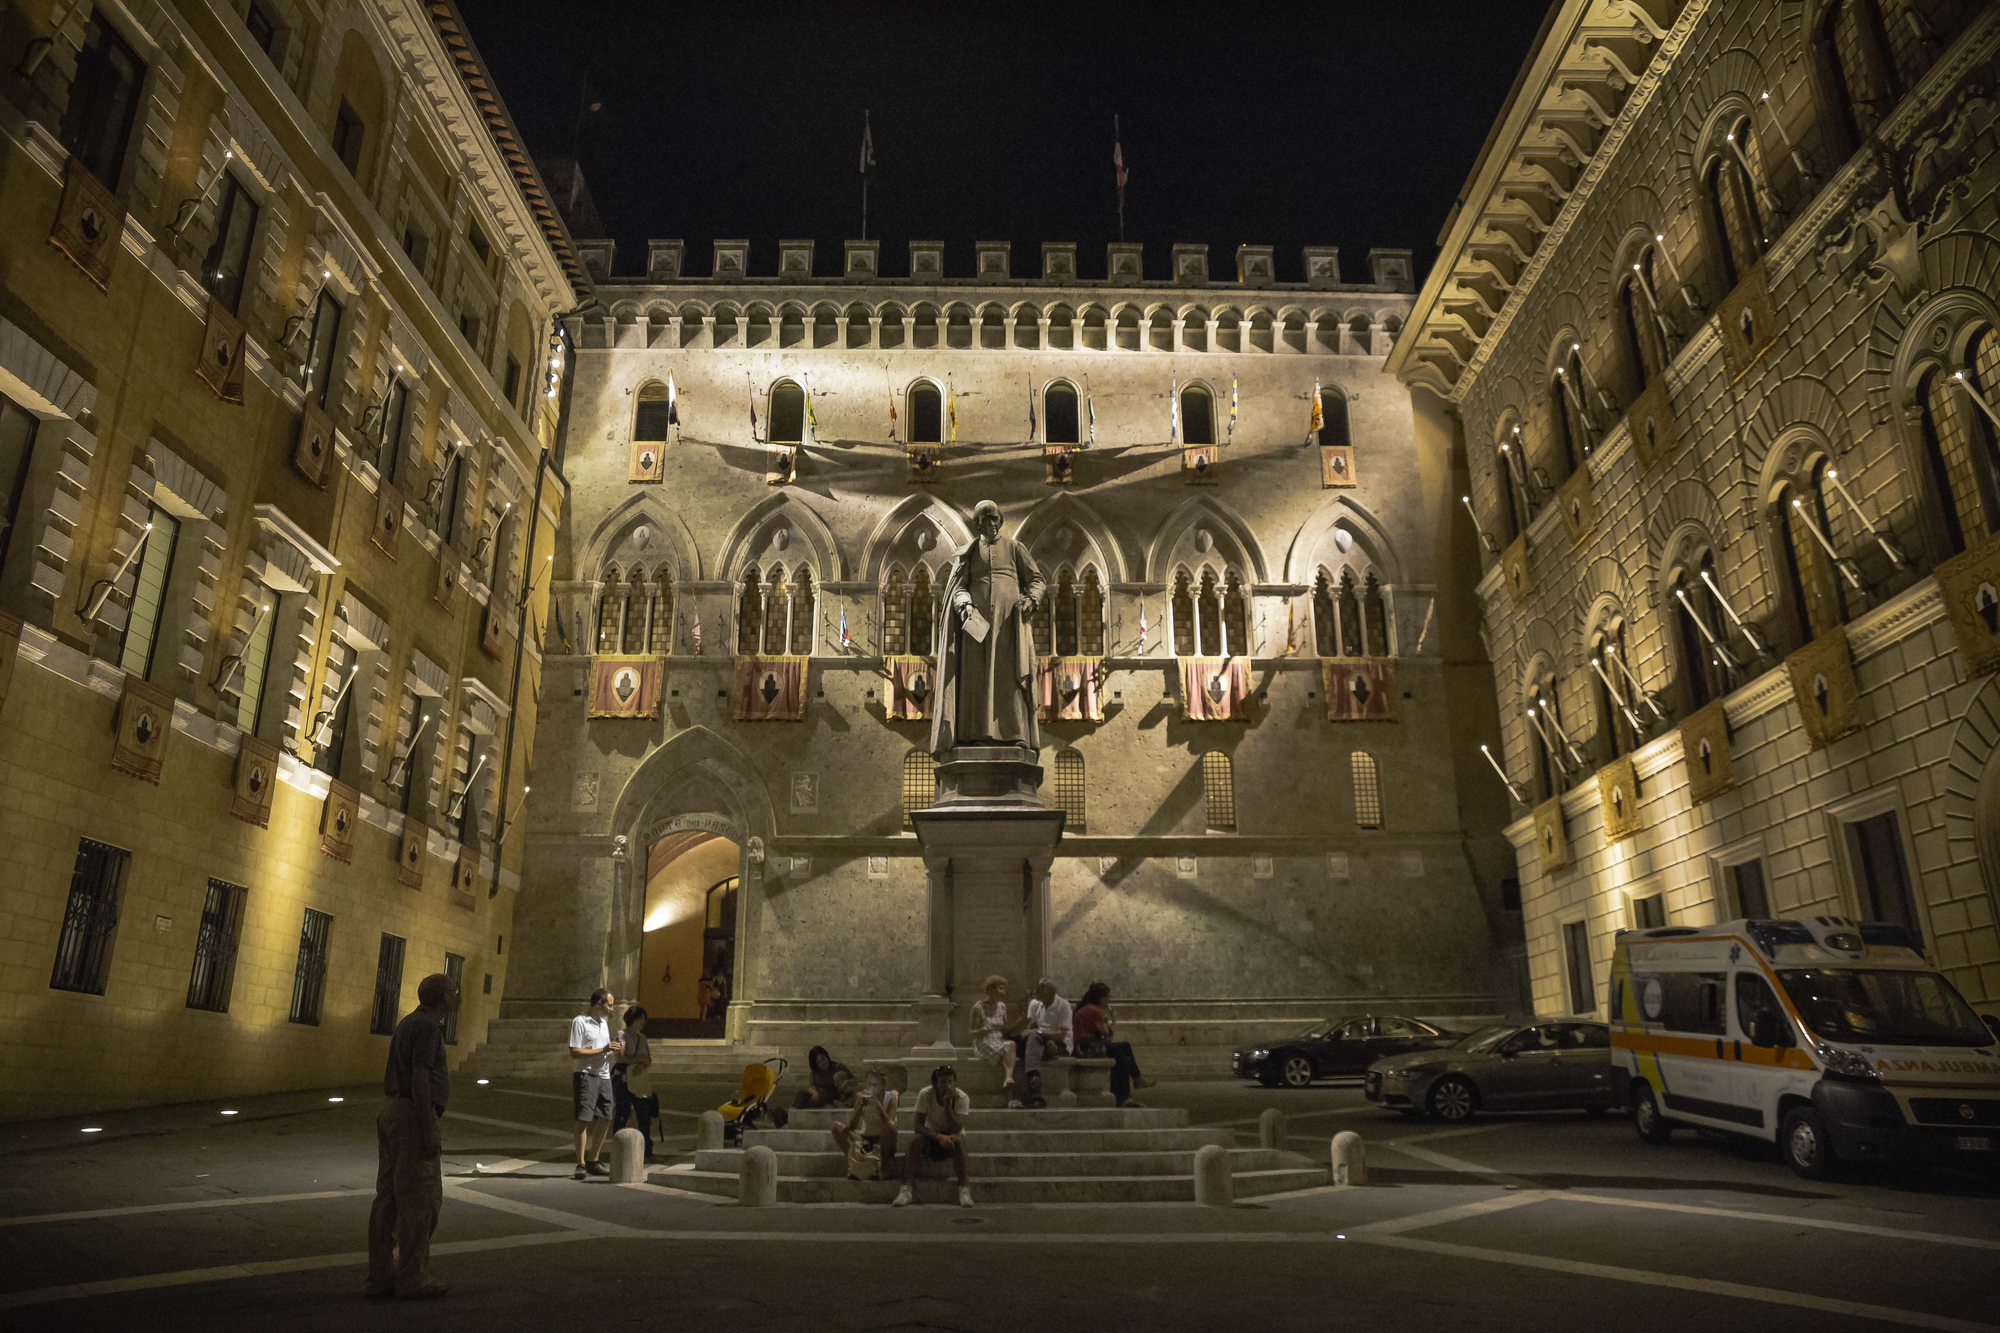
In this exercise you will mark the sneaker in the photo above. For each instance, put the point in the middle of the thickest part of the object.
(425, 1292)
(581, 1173)
(1013, 1103)
(597, 1169)
(965, 1196)
(1131, 1104)
(903, 1198)
(1142, 1082)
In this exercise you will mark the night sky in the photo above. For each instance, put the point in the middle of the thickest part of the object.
(1343, 124)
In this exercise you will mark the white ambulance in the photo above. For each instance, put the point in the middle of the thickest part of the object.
(1834, 1039)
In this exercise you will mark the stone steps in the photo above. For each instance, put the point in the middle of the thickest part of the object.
(537, 1048)
(943, 1189)
(998, 1165)
(1047, 1118)
(1021, 1140)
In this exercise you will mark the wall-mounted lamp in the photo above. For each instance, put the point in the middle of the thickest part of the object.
(184, 214)
(100, 591)
(1512, 790)
(1757, 644)
(1896, 557)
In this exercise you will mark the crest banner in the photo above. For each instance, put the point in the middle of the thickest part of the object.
(465, 878)
(1705, 747)
(1215, 689)
(912, 686)
(1359, 690)
(221, 364)
(89, 223)
(770, 689)
(1336, 466)
(145, 716)
(1824, 688)
(625, 685)
(410, 851)
(1067, 689)
(337, 819)
(256, 781)
(314, 448)
(649, 461)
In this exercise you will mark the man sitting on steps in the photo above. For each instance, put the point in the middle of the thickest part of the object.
(940, 1134)
(1050, 1031)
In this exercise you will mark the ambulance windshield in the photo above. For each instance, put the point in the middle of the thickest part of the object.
(1884, 1008)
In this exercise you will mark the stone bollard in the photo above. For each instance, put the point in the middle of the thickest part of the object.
(709, 1133)
(1350, 1164)
(1214, 1184)
(1271, 1129)
(757, 1179)
(628, 1157)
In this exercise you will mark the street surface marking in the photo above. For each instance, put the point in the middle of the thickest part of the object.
(1786, 1219)
(555, 1217)
(542, 1130)
(1678, 1282)
(136, 1210)
(651, 1188)
(558, 1097)
(1499, 1203)
(1289, 1117)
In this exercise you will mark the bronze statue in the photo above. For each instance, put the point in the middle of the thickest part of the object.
(985, 648)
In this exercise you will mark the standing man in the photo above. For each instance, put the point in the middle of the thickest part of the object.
(591, 1049)
(985, 649)
(1051, 1031)
(409, 1179)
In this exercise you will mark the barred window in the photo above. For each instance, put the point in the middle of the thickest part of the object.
(1090, 616)
(1065, 612)
(1183, 616)
(90, 918)
(895, 615)
(309, 978)
(1375, 615)
(1367, 791)
(923, 618)
(214, 969)
(388, 985)
(1326, 639)
(1218, 790)
(919, 783)
(1070, 790)
(611, 612)
(454, 967)
(1208, 618)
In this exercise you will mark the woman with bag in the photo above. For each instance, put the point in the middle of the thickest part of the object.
(632, 1082)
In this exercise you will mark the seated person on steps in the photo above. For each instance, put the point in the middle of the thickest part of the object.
(1095, 1027)
(828, 1082)
(1050, 1032)
(872, 1126)
(991, 1040)
(940, 1134)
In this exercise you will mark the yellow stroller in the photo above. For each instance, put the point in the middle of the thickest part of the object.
(751, 1108)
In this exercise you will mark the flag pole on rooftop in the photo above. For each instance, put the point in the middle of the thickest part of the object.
(867, 161)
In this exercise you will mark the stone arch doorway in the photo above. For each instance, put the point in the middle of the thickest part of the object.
(688, 924)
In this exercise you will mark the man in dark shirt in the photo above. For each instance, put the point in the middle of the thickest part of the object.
(409, 1181)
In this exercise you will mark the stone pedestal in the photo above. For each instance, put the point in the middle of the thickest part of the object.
(988, 841)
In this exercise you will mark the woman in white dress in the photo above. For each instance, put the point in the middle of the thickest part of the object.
(990, 1039)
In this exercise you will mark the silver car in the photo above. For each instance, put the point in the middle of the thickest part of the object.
(1509, 1067)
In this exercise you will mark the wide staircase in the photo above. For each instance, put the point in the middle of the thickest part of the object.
(538, 1047)
(1051, 1155)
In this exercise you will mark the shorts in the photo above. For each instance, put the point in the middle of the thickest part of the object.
(939, 1151)
(591, 1094)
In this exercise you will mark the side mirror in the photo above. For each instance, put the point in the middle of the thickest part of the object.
(1992, 1022)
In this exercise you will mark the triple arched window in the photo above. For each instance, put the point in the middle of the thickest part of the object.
(909, 612)
(1209, 614)
(1350, 616)
(775, 613)
(1069, 622)
(635, 611)
(1961, 446)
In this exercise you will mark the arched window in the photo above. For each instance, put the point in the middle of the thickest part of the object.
(788, 413)
(1218, 790)
(450, 497)
(919, 782)
(802, 613)
(1352, 643)
(1734, 216)
(1375, 617)
(1697, 614)
(651, 417)
(895, 614)
(923, 618)
(1060, 423)
(611, 612)
(1070, 790)
(1645, 349)
(1513, 500)
(926, 413)
(639, 611)
(777, 613)
(1367, 790)
(1090, 616)
(660, 639)
(1333, 416)
(1799, 558)
(1235, 617)
(1208, 616)
(1326, 635)
(1614, 729)
(749, 615)
(1855, 59)
(1197, 415)
(1563, 417)
(1542, 738)
(1183, 615)
(1042, 625)
(1065, 612)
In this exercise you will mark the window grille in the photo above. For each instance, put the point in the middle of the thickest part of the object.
(1090, 616)
(1367, 791)
(215, 941)
(454, 967)
(1070, 790)
(1183, 616)
(802, 611)
(895, 615)
(919, 783)
(149, 591)
(90, 918)
(1218, 790)
(923, 613)
(388, 985)
(1576, 949)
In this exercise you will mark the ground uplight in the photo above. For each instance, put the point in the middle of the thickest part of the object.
(482, 1082)
(229, 1113)
(336, 1099)
(93, 1129)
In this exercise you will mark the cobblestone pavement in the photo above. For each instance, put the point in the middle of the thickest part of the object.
(185, 1216)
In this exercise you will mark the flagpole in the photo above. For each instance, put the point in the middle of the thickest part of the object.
(1118, 143)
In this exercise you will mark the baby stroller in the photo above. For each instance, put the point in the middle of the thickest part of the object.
(751, 1108)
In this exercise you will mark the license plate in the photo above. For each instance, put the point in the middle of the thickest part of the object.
(1974, 1143)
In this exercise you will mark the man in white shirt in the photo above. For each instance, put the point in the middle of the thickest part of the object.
(1051, 1030)
(591, 1049)
(940, 1134)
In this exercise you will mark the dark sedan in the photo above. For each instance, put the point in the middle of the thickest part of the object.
(1512, 1067)
(1334, 1047)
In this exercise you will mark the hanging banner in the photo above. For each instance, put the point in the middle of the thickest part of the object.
(89, 223)
(1823, 686)
(313, 450)
(925, 461)
(770, 689)
(493, 635)
(410, 851)
(388, 518)
(1336, 466)
(256, 781)
(1198, 464)
(625, 685)
(1059, 464)
(1068, 689)
(1516, 570)
(145, 716)
(449, 574)
(1359, 690)
(1705, 748)
(782, 465)
(1618, 798)
(1971, 587)
(912, 686)
(221, 364)
(337, 819)
(465, 878)
(1551, 837)
(1215, 689)
(649, 461)
(10, 651)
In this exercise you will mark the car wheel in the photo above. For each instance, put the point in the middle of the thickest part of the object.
(1647, 1122)
(1452, 1100)
(1298, 1072)
(1803, 1141)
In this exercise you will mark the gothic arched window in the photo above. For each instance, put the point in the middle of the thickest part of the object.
(1352, 643)
(1183, 615)
(1326, 635)
(1375, 617)
(1090, 616)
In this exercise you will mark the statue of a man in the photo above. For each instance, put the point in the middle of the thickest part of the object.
(985, 648)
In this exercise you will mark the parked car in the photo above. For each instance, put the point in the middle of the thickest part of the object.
(1336, 1046)
(1510, 1067)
